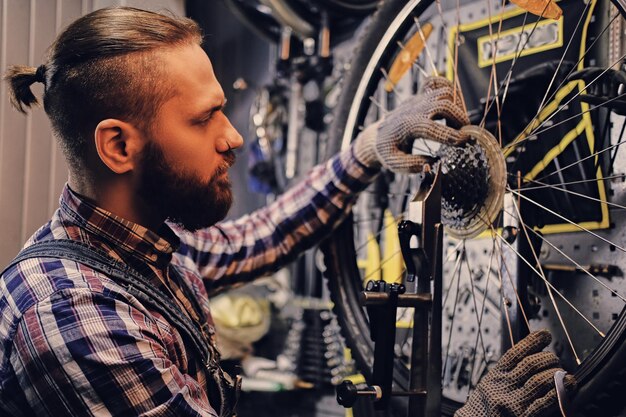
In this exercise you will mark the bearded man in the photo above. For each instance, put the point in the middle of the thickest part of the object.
(106, 309)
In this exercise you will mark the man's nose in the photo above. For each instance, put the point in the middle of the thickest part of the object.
(231, 139)
(236, 140)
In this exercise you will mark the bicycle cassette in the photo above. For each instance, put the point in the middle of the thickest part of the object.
(473, 183)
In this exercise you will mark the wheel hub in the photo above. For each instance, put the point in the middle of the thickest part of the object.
(473, 183)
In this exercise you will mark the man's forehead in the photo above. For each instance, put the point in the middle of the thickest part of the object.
(190, 71)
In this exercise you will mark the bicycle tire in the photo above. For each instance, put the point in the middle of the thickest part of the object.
(306, 18)
(601, 377)
(352, 6)
(288, 16)
(261, 24)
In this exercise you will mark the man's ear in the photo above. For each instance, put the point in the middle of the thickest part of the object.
(118, 145)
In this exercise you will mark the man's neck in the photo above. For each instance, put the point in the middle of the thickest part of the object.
(118, 197)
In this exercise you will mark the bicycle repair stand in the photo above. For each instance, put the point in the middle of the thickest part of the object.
(421, 243)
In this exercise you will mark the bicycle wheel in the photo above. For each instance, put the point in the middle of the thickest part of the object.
(547, 91)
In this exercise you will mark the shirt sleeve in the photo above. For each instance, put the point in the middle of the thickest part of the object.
(236, 251)
(80, 353)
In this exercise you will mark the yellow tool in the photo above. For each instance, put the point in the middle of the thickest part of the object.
(407, 56)
(542, 8)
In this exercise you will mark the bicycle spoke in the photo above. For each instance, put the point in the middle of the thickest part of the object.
(358, 220)
(455, 270)
(482, 311)
(457, 84)
(456, 302)
(380, 106)
(456, 60)
(542, 187)
(548, 286)
(510, 71)
(471, 279)
(580, 19)
(542, 276)
(562, 106)
(621, 138)
(401, 275)
(579, 114)
(382, 229)
(447, 259)
(493, 76)
(533, 136)
(581, 160)
(502, 297)
(426, 48)
(430, 150)
(519, 51)
(507, 76)
(391, 83)
(568, 220)
(578, 266)
(562, 83)
(554, 187)
(418, 66)
(509, 275)
(538, 274)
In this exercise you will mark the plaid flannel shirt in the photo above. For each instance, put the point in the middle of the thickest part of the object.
(74, 342)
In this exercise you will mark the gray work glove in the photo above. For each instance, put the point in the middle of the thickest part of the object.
(521, 383)
(388, 142)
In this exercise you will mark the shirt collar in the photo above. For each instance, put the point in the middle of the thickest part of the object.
(155, 247)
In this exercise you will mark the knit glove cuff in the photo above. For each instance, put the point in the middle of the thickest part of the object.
(364, 147)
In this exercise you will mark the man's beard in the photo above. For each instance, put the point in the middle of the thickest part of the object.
(181, 197)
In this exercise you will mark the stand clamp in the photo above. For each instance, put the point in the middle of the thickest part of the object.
(421, 244)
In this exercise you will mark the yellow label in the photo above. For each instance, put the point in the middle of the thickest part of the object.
(535, 37)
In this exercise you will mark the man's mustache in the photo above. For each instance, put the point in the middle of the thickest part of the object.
(229, 158)
(229, 161)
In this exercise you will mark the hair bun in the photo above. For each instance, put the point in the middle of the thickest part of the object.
(40, 74)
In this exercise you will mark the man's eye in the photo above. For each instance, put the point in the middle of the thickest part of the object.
(204, 120)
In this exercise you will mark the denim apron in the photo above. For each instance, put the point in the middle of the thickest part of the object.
(224, 391)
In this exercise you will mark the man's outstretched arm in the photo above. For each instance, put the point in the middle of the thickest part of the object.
(237, 251)
(262, 242)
